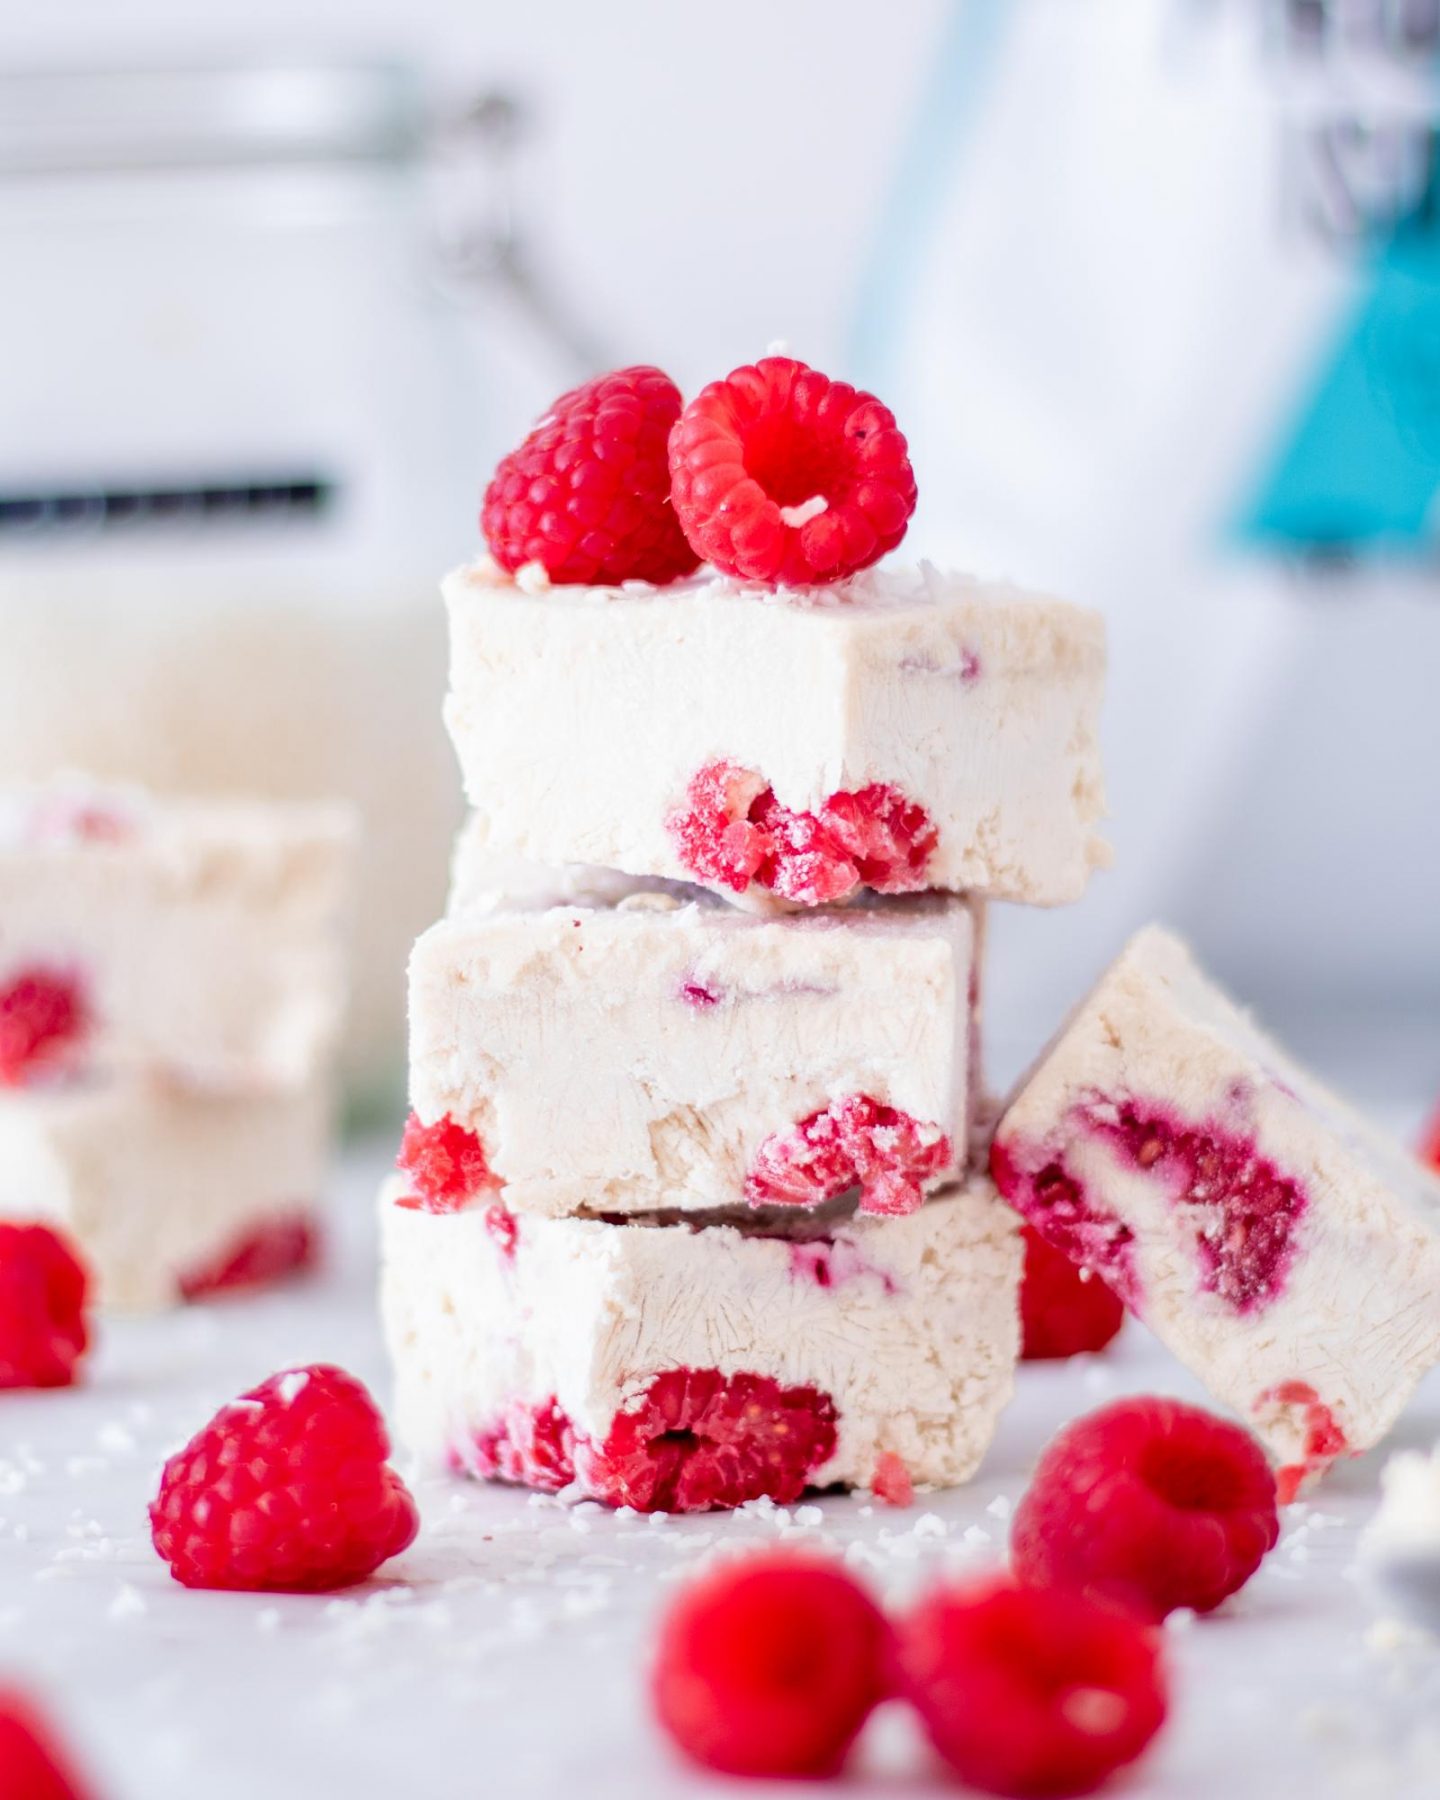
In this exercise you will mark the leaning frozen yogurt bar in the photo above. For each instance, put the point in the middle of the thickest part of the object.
(1284, 1250)
(670, 1368)
(894, 731)
(661, 1055)
(168, 1196)
(200, 940)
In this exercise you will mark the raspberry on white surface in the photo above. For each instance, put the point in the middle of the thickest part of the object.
(167, 1196)
(198, 940)
(662, 1366)
(902, 729)
(1283, 1249)
(644, 1054)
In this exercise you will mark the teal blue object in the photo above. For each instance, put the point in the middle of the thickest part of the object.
(1360, 468)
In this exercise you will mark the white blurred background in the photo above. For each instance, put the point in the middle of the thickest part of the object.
(1153, 285)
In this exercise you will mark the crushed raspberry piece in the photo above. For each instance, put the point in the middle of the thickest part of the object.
(698, 1440)
(854, 1142)
(43, 1019)
(32, 1764)
(1064, 1310)
(733, 831)
(445, 1162)
(286, 1490)
(502, 1226)
(587, 494)
(1245, 1211)
(891, 1481)
(779, 474)
(770, 1666)
(532, 1446)
(272, 1251)
(44, 1290)
(69, 818)
(1149, 1503)
(699, 994)
(694, 1441)
(831, 1262)
(1325, 1438)
(1031, 1691)
(1050, 1199)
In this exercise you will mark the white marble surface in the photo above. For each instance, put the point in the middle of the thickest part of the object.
(505, 1653)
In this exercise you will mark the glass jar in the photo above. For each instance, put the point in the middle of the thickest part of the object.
(240, 437)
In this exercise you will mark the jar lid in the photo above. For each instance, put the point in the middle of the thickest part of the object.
(62, 121)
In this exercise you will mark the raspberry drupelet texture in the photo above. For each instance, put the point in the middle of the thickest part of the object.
(1148, 1503)
(446, 1165)
(780, 474)
(587, 494)
(1324, 1436)
(1028, 1691)
(770, 1666)
(286, 1490)
(44, 1288)
(1064, 1309)
(852, 1143)
(43, 1021)
(696, 1440)
(32, 1764)
(732, 831)
(279, 1248)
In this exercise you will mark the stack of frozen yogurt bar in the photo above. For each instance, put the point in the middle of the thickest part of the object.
(171, 992)
(689, 1211)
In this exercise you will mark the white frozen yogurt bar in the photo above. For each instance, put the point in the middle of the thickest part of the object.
(168, 1196)
(897, 731)
(1286, 1252)
(197, 939)
(674, 1368)
(658, 1055)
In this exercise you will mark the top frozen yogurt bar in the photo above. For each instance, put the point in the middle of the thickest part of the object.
(1282, 1248)
(200, 941)
(898, 731)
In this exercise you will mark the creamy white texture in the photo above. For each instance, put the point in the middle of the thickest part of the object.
(634, 1058)
(207, 938)
(978, 701)
(154, 1185)
(1357, 1314)
(916, 1344)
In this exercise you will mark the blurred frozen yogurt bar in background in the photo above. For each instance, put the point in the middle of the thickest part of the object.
(198, 940)
(171, 1000)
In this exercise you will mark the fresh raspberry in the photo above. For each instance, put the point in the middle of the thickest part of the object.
(43, 1018)
(770, 1666)
(285, 1490)
(1150, 1503)
(32, 1765)
(694, 1441)
(780, 474)
(854, 1142)
(891, 1481)
(445, 1162)
(270, 1252)
(1028, 1691)
(43, 1293)
(588, 492)
(1430, 1143)
(733, 831)
(1064, 1309)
